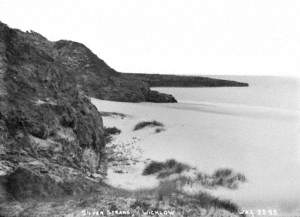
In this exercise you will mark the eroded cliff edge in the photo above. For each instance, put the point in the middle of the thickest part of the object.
(51, 136)
(98, 80)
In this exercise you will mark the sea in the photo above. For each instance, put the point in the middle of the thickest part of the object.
(254, 130)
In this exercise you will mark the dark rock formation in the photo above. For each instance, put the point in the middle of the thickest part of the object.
(155, 96)
(51, 136)
(90, 74)
(97, 79)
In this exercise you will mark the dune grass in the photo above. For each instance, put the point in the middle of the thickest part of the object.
(109, 132)
(111, 114)
(164, 169)
(223, 177)
(228, 178)
(144, 124)
(167, 192)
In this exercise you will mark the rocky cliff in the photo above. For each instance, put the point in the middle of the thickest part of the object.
(51, 136)
(97, 79)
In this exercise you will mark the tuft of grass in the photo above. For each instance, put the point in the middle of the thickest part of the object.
(159, 130)
(206, 200)
(112, 130)
(165, 169)
(223, 177)
(153, 167)
(144, 124)
(140, 204)
(109, 132)
(169, 189)
(112, 114)
(166, 189)
(228, 178)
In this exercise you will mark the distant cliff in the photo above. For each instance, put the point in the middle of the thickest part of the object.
(159, 80)
(97, 79)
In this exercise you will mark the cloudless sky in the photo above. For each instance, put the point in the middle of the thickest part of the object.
(243, 37)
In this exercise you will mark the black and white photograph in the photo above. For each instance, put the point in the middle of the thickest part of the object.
(136, 108)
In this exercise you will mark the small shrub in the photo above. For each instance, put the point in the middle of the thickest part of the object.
(144, 124)
(166, 189)
(112, 206)
(112, 130)
(140, 204)
(158, 130)
(109, 131)
(111, 114)
(228, 178)
(165, 169)
(224, 172)
(153, 167)
(206, 200)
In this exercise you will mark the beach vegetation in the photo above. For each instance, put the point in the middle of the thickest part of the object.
(164, 169)
(228, 178)
(179, 173)
(109, 132)
(159, 130)
(113, 114)
(144, 124)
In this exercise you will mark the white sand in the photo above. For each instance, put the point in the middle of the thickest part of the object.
(262, 143)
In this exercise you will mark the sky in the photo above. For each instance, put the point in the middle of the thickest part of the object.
(203, 37)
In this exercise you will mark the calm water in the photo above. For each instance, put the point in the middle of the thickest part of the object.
(276, 92)
(254, 130)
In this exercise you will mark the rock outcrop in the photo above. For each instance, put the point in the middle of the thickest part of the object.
(51, 136)
(98, 80)
(95, 77)
(160, 80)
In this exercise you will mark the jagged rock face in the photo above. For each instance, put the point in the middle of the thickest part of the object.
(94, 76)
(91, 74)
(155, 96)
(97, 79)
(50, 133)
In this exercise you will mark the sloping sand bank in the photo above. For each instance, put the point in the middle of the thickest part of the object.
(260, 142)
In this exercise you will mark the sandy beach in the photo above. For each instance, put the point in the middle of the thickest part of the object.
(260, 142)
